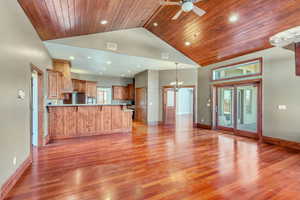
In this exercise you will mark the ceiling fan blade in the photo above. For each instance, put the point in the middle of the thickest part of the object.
(198, 11)
(170, 3)
(177, 15)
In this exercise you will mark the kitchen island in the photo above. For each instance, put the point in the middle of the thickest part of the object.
(80, 120)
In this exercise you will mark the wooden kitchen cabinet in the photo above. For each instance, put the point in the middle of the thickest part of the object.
(131, 92)
(91, 89)
(103, 119)
(55, 84)
(64, 66)
(120, 92)
(86, 120)
(62, 122)
(79, 121)
(87, 87)
(79, 85)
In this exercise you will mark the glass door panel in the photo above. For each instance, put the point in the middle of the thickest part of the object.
(225, 116)
(247, 108)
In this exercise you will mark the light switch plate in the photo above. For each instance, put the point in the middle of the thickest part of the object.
(21, 94)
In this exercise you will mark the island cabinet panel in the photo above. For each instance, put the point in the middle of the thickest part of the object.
(86, 120)
(117, 115)
(62, 122)
(70, 121)
(79, 121)
(106, 118)
(127, 120)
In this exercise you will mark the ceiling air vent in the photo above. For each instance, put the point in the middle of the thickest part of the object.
(111, 46)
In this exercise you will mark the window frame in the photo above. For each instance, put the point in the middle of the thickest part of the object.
(260, 60)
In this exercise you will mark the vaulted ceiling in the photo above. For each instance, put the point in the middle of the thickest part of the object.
(55, 19)
(213, 37)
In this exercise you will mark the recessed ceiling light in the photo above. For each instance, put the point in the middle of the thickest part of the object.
(72, 57)
(233, 18)
(155, 24)
(187, 43)
(89, 57)
(103, 22)
(108, 62)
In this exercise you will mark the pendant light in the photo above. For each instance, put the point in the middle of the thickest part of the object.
(176, 83)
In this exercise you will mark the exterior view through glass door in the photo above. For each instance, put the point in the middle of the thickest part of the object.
(247, 108)
(225, 117)
(238, 109)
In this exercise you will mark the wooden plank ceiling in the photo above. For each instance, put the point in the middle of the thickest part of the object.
(66, 18)
(213, 38)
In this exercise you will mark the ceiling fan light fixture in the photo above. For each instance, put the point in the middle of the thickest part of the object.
(187, 6)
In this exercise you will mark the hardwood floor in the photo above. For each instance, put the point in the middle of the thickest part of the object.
(157, 162)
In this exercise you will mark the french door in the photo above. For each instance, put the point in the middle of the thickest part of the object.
(238, 109)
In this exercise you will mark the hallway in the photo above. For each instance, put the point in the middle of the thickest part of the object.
(161, 162)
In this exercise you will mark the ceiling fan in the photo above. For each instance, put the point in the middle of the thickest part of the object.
(186, 6)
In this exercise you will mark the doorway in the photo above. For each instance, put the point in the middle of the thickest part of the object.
(140, 113)
(238, 108)
(178, 105)
(37, 108)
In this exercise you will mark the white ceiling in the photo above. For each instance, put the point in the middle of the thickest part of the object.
(138, 50)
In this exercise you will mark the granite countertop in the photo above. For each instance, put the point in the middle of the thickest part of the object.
(68, 105)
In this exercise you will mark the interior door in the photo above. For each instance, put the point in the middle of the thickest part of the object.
(225, 108)
(140, 105)
(169, 100)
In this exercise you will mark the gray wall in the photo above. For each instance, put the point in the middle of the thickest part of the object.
(189, 76)
(141, 79)
(153, 96)
(20, 46)
(280, 87)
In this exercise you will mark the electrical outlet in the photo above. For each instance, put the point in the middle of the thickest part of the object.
(202, 120)
(15, 160)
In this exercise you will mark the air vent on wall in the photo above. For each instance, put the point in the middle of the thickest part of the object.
(111, 46)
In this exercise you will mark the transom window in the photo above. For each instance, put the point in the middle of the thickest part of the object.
(239, 70)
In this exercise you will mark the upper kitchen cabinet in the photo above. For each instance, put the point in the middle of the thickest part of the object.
(54, 84)
(64, 66)
(131, 92)
(120, 92)
(91, 89)
(79, 85)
